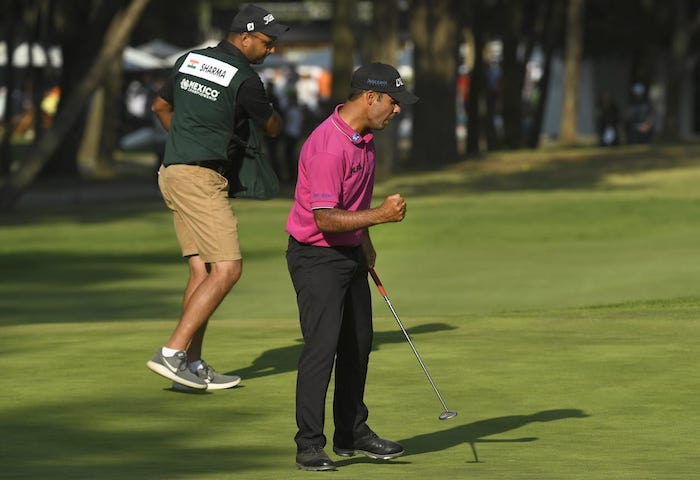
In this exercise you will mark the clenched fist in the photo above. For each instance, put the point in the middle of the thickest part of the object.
(393, 208)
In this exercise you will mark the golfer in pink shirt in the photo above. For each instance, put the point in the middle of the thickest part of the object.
(328, 257)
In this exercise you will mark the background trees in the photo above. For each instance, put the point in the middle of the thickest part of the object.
(80, 78)
(500, 43)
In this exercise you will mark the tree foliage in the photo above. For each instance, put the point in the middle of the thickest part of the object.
(73, 106)
(654, 38)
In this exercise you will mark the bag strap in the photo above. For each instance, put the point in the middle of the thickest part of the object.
(239, 141)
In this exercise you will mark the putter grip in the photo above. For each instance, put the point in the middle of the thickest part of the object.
(378, 282)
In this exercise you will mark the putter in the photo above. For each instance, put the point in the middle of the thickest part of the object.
(447, 413)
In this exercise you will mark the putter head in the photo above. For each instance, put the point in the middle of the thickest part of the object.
(447, 414)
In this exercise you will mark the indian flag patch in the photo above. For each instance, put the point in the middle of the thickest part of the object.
(208, 68)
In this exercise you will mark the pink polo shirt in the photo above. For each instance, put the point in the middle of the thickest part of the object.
(336, 170)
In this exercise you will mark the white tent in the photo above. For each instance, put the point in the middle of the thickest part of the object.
(40, 56)
(134, 60)
(172, 58)
(153, 55)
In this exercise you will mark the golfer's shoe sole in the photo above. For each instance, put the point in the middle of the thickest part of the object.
(322, 468)
(211, 386)
(178, 387)
(167, 373)
(344, 452)
(223, 382)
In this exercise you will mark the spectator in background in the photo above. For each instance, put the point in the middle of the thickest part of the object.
(607, 121)
(641, 117)
(325, 84)
(273, 142)
(22, 109)
(293, 129)
(160, 134)
(49, 106)
(3, 101)
(307, 91)
(136, 100)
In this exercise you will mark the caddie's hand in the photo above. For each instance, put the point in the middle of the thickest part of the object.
(394, 208)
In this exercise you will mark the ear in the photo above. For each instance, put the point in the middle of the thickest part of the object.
(371, 97)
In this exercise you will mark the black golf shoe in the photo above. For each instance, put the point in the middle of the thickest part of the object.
(314, 458)
(373, 447)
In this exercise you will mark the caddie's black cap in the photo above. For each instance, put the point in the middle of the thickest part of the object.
(384, 78)
(252, 18)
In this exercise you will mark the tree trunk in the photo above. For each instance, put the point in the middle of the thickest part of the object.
(110, 119)
(81, 30)
(548, 33)
(574, 48)
(13, 13)
(434, 31)
(382, 47)
(115, 40)
(513, 74)
(343, 47)
(683, 31)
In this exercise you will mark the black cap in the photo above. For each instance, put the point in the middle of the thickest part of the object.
(384, 78)
(252, 18)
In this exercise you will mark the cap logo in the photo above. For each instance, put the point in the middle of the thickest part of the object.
(268, 18)
(377, 83)
(399, 82)
(250, 26)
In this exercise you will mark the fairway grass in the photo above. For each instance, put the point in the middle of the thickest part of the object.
(579, 393)
(559, 320)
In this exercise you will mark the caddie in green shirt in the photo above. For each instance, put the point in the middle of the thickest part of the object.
(212, 94)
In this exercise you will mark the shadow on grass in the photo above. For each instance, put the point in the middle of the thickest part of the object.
(101, 440)
(284, 359)
(55, 287)
(89, 201)
(476, 432)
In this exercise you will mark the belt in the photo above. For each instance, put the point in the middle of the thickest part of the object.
(341, 248)
(218, 166)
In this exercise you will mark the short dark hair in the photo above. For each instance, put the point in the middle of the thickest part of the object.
(357, 92)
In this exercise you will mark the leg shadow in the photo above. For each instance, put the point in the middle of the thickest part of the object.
(284, 359)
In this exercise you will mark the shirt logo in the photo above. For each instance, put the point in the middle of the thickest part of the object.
(208, 68)
(355, 169)
(190, 86)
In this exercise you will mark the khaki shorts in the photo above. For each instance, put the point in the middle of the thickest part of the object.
(205, 223)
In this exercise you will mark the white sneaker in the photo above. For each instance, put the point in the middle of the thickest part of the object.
(175, 369)
(213, 379)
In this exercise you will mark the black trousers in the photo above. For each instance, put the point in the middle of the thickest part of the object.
(335, 313)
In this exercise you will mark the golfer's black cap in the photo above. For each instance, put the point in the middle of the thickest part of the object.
(252, 18)
(384, 78)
